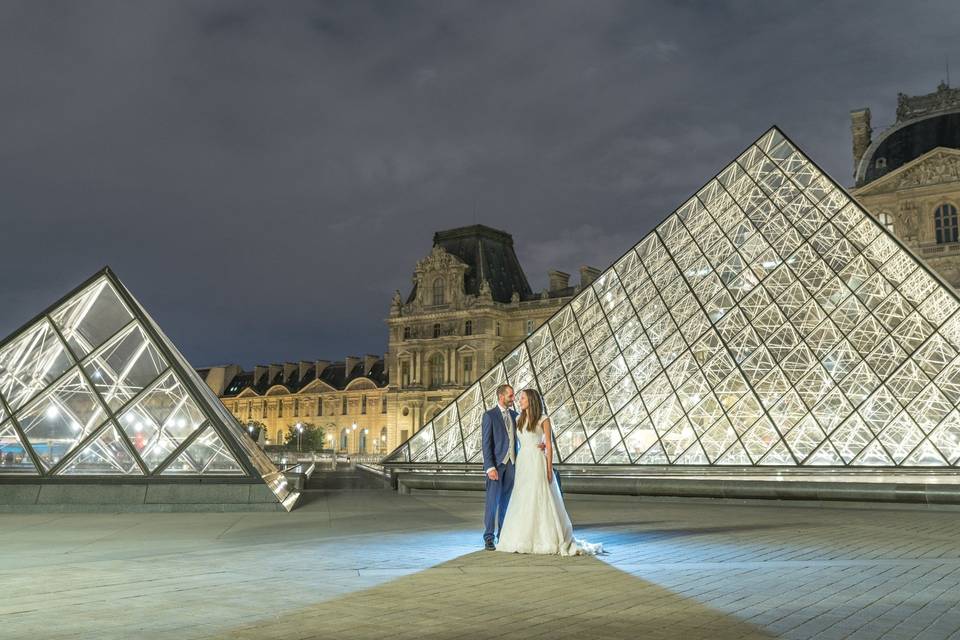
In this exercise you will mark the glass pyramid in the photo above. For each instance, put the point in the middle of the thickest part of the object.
(769, 320)
(92, 387)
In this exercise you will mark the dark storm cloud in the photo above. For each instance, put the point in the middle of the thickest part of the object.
(264, 174)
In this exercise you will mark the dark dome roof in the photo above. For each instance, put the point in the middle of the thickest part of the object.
(908, 142)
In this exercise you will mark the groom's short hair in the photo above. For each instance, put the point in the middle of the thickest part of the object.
(502, 389)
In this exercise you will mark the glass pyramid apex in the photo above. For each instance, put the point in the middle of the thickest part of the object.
(769, 321)
(93, 387)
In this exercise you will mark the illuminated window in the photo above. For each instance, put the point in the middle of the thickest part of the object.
(436, 370)
(945, 223)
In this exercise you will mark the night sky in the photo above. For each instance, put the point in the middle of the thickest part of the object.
(263, 175)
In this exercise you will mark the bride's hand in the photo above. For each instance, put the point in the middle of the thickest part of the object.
(549, 477)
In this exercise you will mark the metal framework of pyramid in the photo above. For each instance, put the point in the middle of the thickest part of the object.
(769, 320)
(92, 387)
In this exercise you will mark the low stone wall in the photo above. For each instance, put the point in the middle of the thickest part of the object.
(110, 497)
(729, 488)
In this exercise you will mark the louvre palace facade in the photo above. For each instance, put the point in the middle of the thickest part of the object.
(469, 304)
(909, 175)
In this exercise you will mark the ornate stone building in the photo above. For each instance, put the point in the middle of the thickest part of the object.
(470, 303)
(909, 175)
(349, 400)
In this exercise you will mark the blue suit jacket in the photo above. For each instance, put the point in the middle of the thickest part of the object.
(494, 436)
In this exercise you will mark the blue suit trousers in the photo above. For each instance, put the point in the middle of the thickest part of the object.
(498, 497)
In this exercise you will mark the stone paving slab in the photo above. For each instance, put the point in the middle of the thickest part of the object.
(372, 564)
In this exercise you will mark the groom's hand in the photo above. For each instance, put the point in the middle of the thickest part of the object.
(542, 446)
(493, 475)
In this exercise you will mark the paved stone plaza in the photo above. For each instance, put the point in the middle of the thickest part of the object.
(372, 564)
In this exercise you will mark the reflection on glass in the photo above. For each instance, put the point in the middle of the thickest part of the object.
(207, 454)
(160, 419)
(105, 455)
(14, 457)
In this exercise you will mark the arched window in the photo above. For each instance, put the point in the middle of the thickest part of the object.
(436, 370)
(436, 330)
(383, 439)
(363, 441)
(886, 220)
(881, 163)
(468, 328)
(438, 289)
(343, 439)
(945, 223)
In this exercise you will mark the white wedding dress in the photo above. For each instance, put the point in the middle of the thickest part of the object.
(536, 520)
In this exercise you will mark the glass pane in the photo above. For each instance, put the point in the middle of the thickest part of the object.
(125, 366)
(107, 454)
(91, 316)
(13, 454)
(160, 420)
(61, 418)
(207, 454)
(31, 362)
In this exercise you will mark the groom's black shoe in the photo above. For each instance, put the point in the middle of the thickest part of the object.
(489, 546)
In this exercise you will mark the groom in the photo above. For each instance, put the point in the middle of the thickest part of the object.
(499, 435)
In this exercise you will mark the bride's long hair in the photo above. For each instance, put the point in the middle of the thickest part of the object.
(530, 417)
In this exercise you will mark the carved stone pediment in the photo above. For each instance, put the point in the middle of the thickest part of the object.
(439, 264)
(937, 169)
(938, 166)
(439, 260)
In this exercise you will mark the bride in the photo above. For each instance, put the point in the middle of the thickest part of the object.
(536, 520)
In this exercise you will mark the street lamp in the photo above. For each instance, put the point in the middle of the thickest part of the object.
(299, 435)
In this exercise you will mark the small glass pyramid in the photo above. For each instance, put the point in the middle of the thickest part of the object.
(769, 321)
(92, 387)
